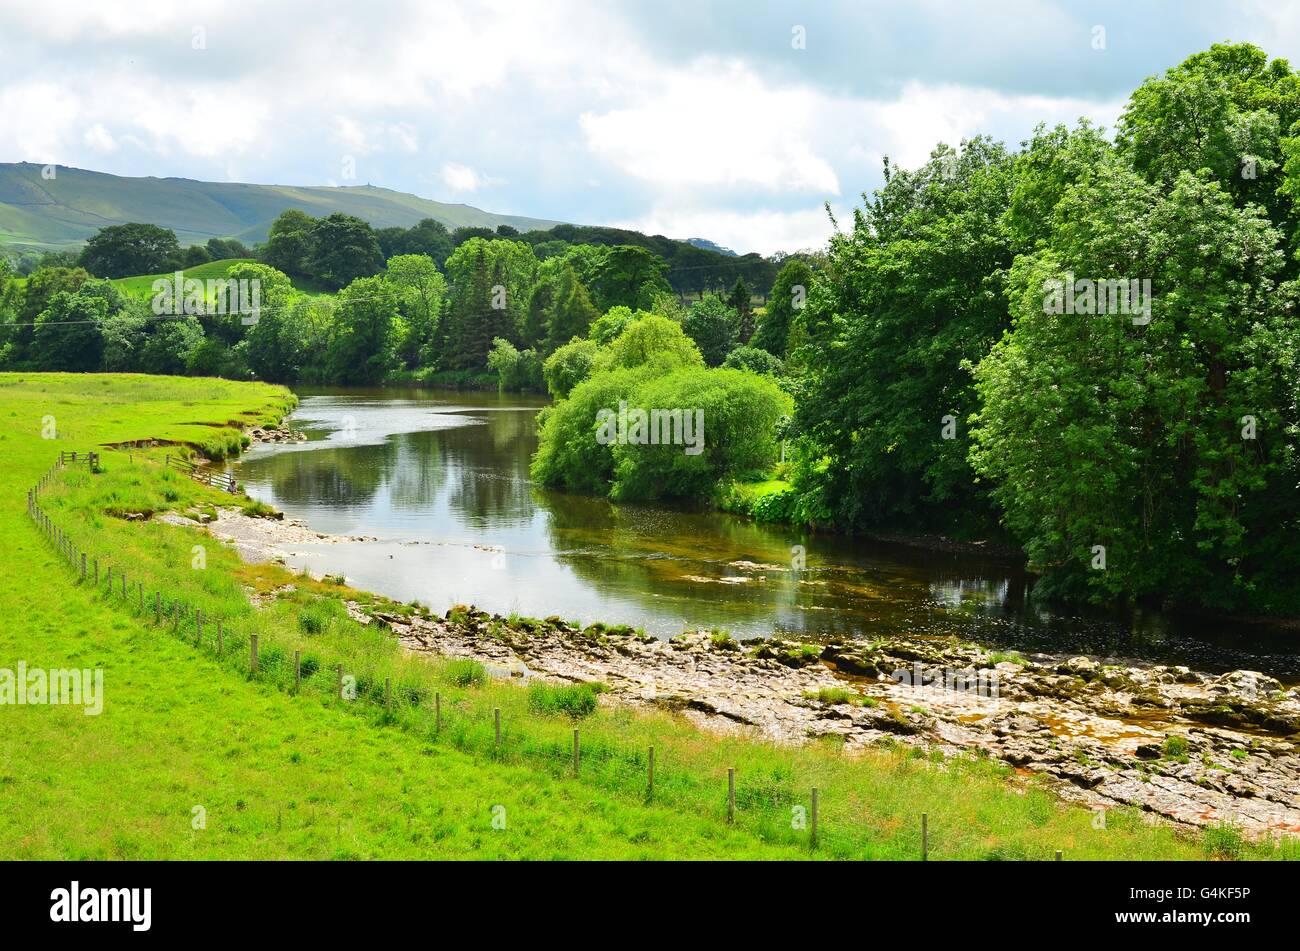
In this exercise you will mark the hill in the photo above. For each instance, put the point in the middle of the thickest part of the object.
(63, 211)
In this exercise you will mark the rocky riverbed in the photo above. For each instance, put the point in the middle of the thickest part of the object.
(1195, 748)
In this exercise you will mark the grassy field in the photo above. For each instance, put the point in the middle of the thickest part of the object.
(286, 771)
(142, 285)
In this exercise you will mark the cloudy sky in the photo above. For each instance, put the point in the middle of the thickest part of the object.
(733, 121)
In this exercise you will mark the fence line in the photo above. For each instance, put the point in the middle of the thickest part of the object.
(379, 696)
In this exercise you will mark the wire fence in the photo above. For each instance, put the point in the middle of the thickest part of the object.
(435, 715)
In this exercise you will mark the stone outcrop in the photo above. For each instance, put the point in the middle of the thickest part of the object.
(1194, 748)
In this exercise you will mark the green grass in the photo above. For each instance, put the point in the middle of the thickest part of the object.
(141, 285)
(287, 771)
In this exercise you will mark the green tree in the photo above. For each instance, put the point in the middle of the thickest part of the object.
(1227, 109)
(789, 295)
(568, 366)
(343, 249)
(753, 359)
(421, 290)
(909, 295)
(628, 275)
(130, 249)
(1150, 460)
(571, 311)
(288, 247)
(650, 341)
(741, 301)
(170, 345)
(363, 347)
(712, 325)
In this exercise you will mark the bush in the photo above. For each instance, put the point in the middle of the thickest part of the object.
(739, 411)
(754, 360)
(463, 672)
(568, 366)
(572, 700)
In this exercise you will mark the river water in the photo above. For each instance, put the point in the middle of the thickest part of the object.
(441, 481)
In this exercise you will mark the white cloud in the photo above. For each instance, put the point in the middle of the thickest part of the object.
(762, 231)
(463, 178)
(100, 139)
(714, 125)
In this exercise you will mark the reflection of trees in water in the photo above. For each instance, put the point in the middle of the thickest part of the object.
(486, 466)
(645, 554)
(343, 477)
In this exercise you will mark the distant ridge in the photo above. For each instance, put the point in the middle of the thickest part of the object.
(62, 212)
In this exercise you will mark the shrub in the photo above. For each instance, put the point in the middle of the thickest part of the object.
(464, 672)
(572, 700)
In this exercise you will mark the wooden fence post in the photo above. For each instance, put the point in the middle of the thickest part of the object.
(731, 794)
(157, 607)
(123, 574)
(496, 715)
(221, 639)
(925, 837)
(576, 752)
(297, 668)
(198, 628)
(83, 566)
(176, 617)
(813, 838)
(252, 654)
(109, 575)
(388, 693)
(139, 591)
(437, 712)
(1058, 855)
(340, 670)
(650, 775)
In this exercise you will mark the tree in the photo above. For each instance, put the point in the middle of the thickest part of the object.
(69, 332)
(1151, 458)
(421, 290)
(288, 247)
(909, 295)
(613, 322)
(741, 301)
(650, 341)
(194, 255)
(343, 249)
(568, 366)
(518, 371)
(571, 311)
(226, 249)
(170, 345)
(130, 249)
(754, 360)
(628, 275)
(512, 265)
(28, 302)
(1227, 109)
(712, 325)
(789, 295)
(362, 350)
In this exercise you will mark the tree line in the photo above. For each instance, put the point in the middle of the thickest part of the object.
(1144, 457)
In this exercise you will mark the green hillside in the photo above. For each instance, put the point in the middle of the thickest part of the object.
(141, 285)
(51, 213)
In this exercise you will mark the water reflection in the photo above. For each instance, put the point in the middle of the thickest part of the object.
(442, 481)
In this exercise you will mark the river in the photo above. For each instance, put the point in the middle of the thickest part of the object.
(440, 480)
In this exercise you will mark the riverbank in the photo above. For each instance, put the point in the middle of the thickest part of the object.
(279, 767)
(1193, 748)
